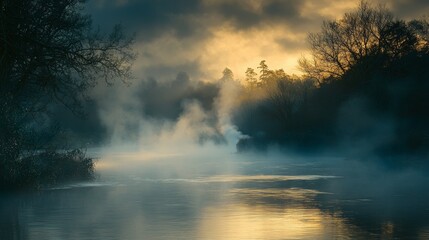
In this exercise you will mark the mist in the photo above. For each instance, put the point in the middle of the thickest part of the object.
(211, 119)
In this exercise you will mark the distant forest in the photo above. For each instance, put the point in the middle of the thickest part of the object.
(365, 90)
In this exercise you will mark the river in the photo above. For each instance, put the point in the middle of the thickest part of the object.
(226, 196)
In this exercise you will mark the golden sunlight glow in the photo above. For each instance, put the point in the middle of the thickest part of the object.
(277, 43)
(242, 221)
(280, 194)
(236, 50)
(334, 10)
(239, 50)
(115, 160)
(289, 215)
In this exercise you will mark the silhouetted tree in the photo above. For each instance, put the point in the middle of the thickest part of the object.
(365, 32)
(49, 48)
(373, 89)
(265, 74)
(227, 75)
(50, 53)
(251, 79)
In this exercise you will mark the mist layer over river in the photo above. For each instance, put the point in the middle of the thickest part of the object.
(207, 195)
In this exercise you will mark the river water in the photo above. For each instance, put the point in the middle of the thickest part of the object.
(227, 196)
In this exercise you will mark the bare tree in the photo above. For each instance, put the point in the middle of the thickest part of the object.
(48, 48)
(367, 31)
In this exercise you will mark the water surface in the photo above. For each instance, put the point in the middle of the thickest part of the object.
(227, 197)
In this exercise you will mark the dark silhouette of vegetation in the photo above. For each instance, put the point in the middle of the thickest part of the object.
(365, 92)
(48, 54)
(360, 35)
(48, 167)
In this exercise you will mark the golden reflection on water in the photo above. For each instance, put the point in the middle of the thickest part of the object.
(249, 218)
(241, 221)
(387, 230)
(297, 194)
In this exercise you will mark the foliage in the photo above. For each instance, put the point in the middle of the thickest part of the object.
(46, 168)
(251, 79)
(227, 75)
(370, 97)
(49, 54)
(271, 105)
(49, 50)
(364, 33)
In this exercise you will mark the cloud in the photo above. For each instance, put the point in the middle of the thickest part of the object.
(149, 19)
(202, 37)
(408, 9)
(169, 99)
(196, 35)
(178, 111)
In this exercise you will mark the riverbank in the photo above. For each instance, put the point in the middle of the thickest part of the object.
(46, 168)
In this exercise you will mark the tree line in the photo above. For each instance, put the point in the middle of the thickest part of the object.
(364, 90)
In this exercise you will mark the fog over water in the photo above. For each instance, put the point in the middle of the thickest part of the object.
(210, 192)
(170, 170)
(190, 148)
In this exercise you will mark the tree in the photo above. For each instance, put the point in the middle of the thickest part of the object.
(49, 48)
(227, 75)
(365, 32)
(251, 79)
(265, 73)
(286, 94)
(49, 53)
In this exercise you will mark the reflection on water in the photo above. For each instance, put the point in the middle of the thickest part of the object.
(238, 178)
(242, 221)
(186, 198)
(290, 194)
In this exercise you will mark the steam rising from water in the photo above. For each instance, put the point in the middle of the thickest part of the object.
(157, 121)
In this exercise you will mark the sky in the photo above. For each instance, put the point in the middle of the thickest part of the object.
(202, 37)
(182, 48)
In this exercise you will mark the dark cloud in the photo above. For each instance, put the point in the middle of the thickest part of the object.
(190, 22)
(190, 18)
(183, 99)
(287, 10)
(149, 19)
(410, 8)
(162, 71)
(292, 44)
(167, 100)
(243, 16)
(239, 14)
